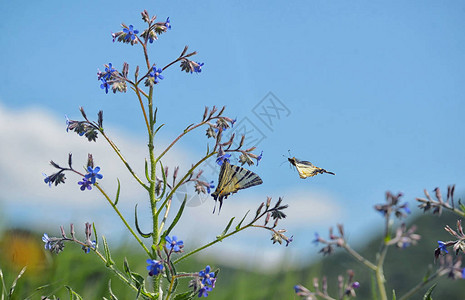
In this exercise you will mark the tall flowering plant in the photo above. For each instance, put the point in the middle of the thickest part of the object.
(163, 249)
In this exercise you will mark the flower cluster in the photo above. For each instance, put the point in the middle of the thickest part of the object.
(346, 288)
(57, 244)
(87, 128)
(405, 237)
(334, 240)
(393, 206)
(216, 130)
(204, 282)
(451, 266)
(437, 205)
(89, 179)
(457, 245)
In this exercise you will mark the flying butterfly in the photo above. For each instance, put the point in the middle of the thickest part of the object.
(233, 178)
(306, 168)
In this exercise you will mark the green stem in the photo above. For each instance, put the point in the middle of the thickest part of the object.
(122, 218)
(380, 280)
(118, 152)
(358, 257)
(121, 275)
(419, 286)
(216, 241)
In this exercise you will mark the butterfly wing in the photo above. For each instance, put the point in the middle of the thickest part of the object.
(233, 178)
(306, 168)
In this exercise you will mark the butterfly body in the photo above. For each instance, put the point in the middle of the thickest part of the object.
(306, 168)
(233, 178)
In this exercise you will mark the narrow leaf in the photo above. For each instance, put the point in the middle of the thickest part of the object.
(145, 235)
(147, 172)
(3, 285)
(163, 174)
(158, 128)
(13, 285)
(176, 219)
(394, 295)
(72, 294)
(187, 128)
(112, 296)
(117, 192)
(185, 296)
(95, 234)
(126, 268)
(429, 292)
(219, 237)
(240, 223)
(106, 250)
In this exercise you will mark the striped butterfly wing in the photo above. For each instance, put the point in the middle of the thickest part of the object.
(233, 178)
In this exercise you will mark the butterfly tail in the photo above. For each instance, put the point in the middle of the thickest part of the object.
(329, 172)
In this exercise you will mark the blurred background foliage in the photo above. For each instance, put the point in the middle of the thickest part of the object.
(404, 268)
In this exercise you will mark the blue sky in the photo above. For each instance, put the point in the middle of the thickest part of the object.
(371, 90)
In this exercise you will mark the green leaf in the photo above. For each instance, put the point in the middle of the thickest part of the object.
(117, 192)
(187, 128)
(240, 223)
(95, 234)
(72, 294)
(13, 285)
(145, 235)
(176, 219)
(374, 294)
(106, 251)
(112, 296)
(220, 237)
(393, 294)
(163, 174)
(126, 268)
(147, 176)
(3, 284)
(158, 128)
(185, 296)
(429, 292)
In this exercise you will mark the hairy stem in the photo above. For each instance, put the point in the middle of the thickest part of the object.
(122, 218)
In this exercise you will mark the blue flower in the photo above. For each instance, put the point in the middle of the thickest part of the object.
(155, 267)
(203, 292)
(463, 273)
(289, 240)
(198, 67)
(47, 241)
(222, 158)
(47, 180)
(259, 157)
(87, 248)
(173, 243)
(105, 85)
(317, 239)
(297, 288)
(108, 71)
(233, 122)
(406, 208)
(356, 285)
(85, 183)
(156, 73)
(443, 246)
(211, 186)
(130, 33)
(168, 23)
(207, 276)
(92, 174)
